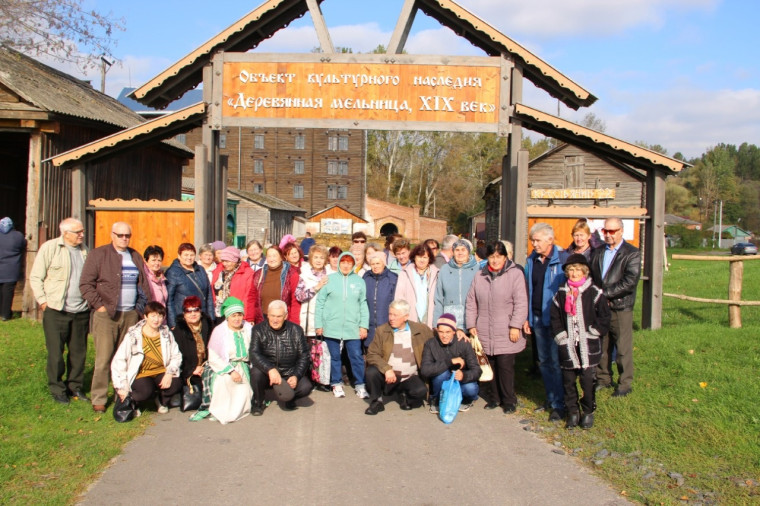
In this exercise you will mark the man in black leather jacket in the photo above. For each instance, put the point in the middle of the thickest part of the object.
(616, 269)
(280, 358)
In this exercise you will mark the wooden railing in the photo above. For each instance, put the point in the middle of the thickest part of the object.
(736, 276)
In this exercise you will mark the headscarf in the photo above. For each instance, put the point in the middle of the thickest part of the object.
(231, 306)
(230, 254)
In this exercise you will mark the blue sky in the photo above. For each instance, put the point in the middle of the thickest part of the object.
(680, 73)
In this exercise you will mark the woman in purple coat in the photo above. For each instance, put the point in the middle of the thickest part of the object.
(496, 308)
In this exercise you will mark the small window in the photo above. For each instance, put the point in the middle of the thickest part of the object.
(343, 168)
(337, 192)
(332, 168)
(222, 141)
(258, 141)
(258, 188)
(332, 143)
(258, 166)
(298, 191)
(298, 167)
(181, 138)
(342, 192)
(300, 141)
(573, 172)
(343, 143)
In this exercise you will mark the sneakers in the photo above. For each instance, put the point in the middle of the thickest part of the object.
(199, 415)
(138, 413)
(338, 391)
(434, 408)
(464, 406)
(162, 410)
(361, 392)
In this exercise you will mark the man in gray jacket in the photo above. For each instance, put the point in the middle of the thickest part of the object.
(114, 284)
(65, 316)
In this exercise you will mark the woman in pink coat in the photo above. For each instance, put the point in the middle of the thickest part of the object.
(416, 284)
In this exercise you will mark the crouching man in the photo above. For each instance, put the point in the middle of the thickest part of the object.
(444, 356)
(279, 358)
(394, 358)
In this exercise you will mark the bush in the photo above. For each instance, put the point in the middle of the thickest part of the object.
(689, 239)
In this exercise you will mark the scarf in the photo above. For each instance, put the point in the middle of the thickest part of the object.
(222, 287)
(571, 301)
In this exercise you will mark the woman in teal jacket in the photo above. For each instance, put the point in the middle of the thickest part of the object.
(342, 315)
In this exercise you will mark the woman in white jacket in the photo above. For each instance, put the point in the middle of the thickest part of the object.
(148, 360)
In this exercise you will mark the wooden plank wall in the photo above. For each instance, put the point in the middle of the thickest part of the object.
(167, 229)
(563, 231)
(335, 213)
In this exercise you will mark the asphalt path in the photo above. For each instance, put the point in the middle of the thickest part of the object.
(329, 452)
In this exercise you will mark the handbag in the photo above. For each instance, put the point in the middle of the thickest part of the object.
(450, 399)
(191, 397)
(486, 372)
(124, 410)
(324, 365)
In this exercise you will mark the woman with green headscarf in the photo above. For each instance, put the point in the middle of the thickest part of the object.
(226, 376)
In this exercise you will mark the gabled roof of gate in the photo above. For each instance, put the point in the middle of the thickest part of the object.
(273, 15)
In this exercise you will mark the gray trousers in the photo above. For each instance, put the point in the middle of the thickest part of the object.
(620, 336)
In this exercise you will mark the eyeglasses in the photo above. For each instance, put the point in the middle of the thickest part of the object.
(75, 232)
(122, 236)
(610, 231)
(193, 310)
(359, 241)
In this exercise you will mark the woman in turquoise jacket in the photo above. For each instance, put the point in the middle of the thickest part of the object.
(342, 315)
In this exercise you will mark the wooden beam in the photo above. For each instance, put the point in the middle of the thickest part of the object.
(711, 258)
(202, 234)
(79, 192)
(403, 26)
(654, 251)
(323, 34)
(29, 304)
(520, 242)
(735, 279)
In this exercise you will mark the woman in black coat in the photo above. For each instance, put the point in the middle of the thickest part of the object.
(184, 278)
(381, 287)
(192, 333)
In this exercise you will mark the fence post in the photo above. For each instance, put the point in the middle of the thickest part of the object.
(736, 269)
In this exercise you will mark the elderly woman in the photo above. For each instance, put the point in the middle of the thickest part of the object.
(275, 282)
(313, 278)
(496, 308)
(154, 257)
(581, 239)
(454, 280)
(580, 316)
(381, 288)
(185, 278)
(400, 249)
(232, 277)
(255, 255)
(416, 284)
(148, 360)
(226, 377)
(192, 333)
(341, 316)
(206, 255)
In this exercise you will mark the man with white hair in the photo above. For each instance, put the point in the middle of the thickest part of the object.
(280, 359)
(394, 359)
(447, 250)
(65, 316)
(616, 269)
(544, 275)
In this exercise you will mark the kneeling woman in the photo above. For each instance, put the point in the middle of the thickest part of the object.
(226, 376)
(148, 360)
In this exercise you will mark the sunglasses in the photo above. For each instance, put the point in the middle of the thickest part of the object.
(193, 310)
(122, 236)
(610, 231)
(359, 241)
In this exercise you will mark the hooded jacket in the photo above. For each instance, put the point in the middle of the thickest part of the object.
(454, 282)
(381, 289)
(342, 305)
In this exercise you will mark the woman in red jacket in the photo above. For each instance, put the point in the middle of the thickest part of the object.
(235, 278)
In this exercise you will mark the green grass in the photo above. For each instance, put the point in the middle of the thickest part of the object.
(48, 452)
(694, 409)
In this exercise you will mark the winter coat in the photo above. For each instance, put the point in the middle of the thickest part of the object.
(186, 342)
(406, 290)
(100, 282)
(619, 285)
(553, 279)
(128, 358)
(454, 283)
(289, 283)
(285, 349)
(182, 284)
(12, 249)
(588, 326)
(381, 288)
(241, 287)
(436, 359)
(496, 302)
(342, 305)
(307, 297)
(380, 350)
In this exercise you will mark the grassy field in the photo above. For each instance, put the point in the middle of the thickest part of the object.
(49, 453)
(690, 430)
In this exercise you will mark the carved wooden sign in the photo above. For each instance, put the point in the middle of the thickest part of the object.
(573, 193)
(350, 91)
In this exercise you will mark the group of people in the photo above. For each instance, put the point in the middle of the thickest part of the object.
(397, 319)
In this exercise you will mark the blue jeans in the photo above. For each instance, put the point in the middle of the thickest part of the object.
(469, 390)
(548, 363)
(354, 350)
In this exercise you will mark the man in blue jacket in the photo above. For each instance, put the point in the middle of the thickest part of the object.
(544, 275)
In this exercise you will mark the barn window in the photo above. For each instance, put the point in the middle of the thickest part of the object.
(300, 141)
(298, 191)
(573, 172)
(298, 167)
(258, 188)
(258, 141)
(343, 143)
(332, 143)
(258, 166)
(337, 192)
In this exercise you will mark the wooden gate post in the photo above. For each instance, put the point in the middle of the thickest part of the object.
(736, 268)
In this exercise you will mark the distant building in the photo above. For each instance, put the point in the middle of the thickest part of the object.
(385, 218)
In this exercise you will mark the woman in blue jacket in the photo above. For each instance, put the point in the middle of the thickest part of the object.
(184, 278)
(381, 285)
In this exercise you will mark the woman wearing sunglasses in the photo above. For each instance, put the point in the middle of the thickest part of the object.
(192, 334)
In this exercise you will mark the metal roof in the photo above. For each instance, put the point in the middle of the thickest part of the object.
(267, 201)
(273, 15)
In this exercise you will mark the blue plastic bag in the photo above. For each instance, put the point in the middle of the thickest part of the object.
(450, 400)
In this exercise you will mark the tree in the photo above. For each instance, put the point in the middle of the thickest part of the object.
(62, 29)
(592, 121)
